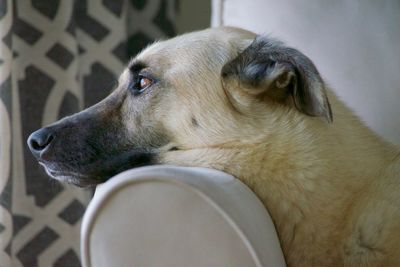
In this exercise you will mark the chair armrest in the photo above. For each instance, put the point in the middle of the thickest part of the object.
(177, 216)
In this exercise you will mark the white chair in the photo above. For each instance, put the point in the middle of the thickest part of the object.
(177, 217)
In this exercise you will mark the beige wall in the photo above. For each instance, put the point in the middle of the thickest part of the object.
(193, 15)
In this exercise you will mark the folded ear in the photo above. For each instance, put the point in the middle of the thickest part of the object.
(267, 68)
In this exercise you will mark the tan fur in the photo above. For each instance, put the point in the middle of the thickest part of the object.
(332, 189)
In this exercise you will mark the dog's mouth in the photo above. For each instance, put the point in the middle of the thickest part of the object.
(98, 171)
(71, 177)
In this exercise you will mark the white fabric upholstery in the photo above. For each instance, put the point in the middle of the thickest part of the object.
(177, 217)
(355, 45)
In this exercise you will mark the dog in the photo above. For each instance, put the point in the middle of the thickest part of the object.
(249, 105)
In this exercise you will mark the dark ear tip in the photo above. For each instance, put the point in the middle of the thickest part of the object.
(329, 119)
(328, 112)
(315, 108)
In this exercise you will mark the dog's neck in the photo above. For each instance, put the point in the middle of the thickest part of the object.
(306, 180)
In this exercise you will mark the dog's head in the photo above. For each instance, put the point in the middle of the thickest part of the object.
(187, 101)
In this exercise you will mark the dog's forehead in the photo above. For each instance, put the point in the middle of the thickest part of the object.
(215, 44)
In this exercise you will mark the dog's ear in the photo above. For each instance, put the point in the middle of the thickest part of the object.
(267, 68)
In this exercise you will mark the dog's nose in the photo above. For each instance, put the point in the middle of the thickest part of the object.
(39, 140)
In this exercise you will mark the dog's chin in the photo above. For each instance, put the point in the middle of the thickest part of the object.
(100, 171)
(70, 177)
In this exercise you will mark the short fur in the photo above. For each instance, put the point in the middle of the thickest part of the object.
(227, 99)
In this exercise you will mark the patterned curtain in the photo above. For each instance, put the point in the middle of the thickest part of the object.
(56, 58)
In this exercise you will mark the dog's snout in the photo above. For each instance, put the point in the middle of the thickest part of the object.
(39, 140)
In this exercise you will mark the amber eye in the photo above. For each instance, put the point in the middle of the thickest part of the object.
(141, 84)
(144, 82)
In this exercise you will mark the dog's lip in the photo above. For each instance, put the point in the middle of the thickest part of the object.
(59, 173)
(99, 171)
(71, 177)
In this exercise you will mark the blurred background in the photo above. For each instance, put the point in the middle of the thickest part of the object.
(60, 56)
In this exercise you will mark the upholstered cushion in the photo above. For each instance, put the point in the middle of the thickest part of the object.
(355, 45)
(177, 217)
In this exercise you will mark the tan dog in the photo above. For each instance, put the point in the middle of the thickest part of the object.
(227, 99)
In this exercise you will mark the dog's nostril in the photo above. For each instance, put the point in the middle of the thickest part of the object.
(38, 145)
(39, 140)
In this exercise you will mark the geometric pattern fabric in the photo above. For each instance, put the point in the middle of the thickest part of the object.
(56, 58)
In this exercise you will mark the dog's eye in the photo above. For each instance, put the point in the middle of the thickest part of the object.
(141, 84)
(144, 82)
